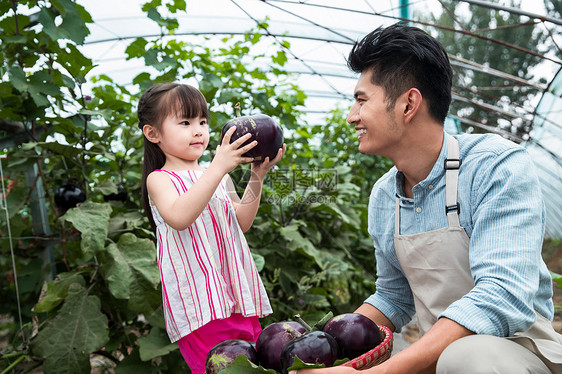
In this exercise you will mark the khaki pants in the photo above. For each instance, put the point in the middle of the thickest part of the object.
(485, 354)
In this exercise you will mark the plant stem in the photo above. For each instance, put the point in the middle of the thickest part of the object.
(13, 365)
(302, 322)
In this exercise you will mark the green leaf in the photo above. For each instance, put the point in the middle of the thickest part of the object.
(155, 344)
(17, 39)
(259, 260)
(72, 23)
(127, 221)
(61, 149)
(320, 324)
(137, 49)
(106, 187)
(295, 241)
(151, 4)
(79, 329)
(333, 209)
(17, 78)
(141, 78)
(132, 364)
(280, 58)
(154, 15)
(177, 5)
(75, 62)
(131, 262)
(298, 365)
(107, 114)
(54, 292)
(241, 365)
(92, 220)
(47, 20)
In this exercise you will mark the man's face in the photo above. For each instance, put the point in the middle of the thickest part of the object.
(377, 127)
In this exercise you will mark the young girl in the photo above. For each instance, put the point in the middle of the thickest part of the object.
(211, 289)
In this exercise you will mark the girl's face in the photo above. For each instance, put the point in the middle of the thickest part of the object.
(183, 139)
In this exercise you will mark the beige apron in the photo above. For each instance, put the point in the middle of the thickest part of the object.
(437, 267)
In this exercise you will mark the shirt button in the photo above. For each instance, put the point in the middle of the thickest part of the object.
(430, 186)
(418, 209)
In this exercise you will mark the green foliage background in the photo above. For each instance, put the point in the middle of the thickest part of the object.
(103, 294)
(486, 101)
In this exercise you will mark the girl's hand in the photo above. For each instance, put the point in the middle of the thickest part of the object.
(261, 168)
(229, 155)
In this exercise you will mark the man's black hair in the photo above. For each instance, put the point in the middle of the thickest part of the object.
(402, 57)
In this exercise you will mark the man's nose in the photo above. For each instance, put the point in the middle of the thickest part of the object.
(353, 116)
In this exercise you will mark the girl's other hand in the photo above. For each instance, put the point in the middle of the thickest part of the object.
(261, 168)
(229, 155)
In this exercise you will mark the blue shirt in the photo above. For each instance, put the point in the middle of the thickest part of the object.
(502, 212)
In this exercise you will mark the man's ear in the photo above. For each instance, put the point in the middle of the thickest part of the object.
(414, 100)
(151, 133)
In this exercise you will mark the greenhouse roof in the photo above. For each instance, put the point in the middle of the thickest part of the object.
(321, 33)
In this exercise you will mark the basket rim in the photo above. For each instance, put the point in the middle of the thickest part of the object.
(379, 350)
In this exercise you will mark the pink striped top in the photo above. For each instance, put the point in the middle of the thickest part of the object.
(207, 270)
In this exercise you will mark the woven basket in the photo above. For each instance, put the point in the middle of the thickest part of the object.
(375, 356)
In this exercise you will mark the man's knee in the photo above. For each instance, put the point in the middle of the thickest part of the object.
(479, 354)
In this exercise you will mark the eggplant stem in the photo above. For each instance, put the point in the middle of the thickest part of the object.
(237, 110)
(302, 322)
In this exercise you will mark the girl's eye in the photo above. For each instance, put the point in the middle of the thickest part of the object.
(203, 123)
(184, 123)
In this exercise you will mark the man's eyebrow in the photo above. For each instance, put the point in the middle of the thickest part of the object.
(358, 93)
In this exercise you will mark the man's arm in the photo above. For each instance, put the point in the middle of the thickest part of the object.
(422, 356)
(375, 315)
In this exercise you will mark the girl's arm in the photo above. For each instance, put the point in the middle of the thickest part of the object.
(247, 207)
(181, 211)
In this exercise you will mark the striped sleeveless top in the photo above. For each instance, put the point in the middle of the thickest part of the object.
(207, 270)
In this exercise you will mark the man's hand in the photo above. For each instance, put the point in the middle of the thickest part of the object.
(332, 370)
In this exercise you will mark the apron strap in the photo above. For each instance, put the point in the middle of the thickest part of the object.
(452, 165)
(397, 216)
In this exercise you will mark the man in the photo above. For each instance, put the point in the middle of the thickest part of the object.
(457, 224)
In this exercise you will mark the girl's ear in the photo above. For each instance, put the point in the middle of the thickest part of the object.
(151, 133)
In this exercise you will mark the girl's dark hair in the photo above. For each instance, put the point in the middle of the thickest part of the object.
(403, 57)
(155, 104)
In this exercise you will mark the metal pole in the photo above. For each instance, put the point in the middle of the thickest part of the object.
(520, 12)
(39, 218)
(404, 9)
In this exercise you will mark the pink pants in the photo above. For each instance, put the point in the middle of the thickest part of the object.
(195, 346)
